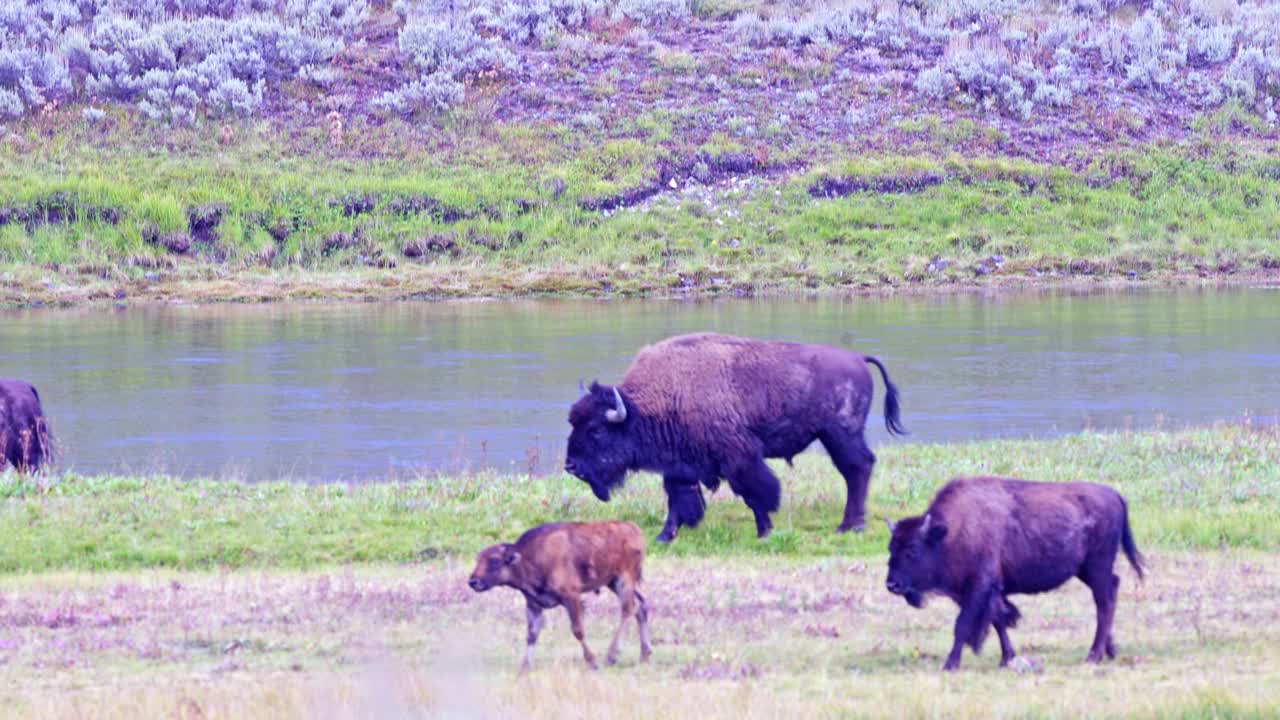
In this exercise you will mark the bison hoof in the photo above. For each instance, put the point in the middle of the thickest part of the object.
(1094, 657)
(611, 660)
(857, 526)
(951, 666)
(666, 536)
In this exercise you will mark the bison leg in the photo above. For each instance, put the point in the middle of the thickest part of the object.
(1005, 618)
(573, 604)
(1105, 586)
(534, 615)
(642, 620)
(625, 590)
(976, 615)
(685, 505)
(760, 490)
(854, 460)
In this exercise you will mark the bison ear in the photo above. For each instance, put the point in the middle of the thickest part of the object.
(582, 387)
(933, 531)
(512, 557)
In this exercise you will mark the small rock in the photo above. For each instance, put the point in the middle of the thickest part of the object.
(120, 294)
(673, 184)
(1027, 665)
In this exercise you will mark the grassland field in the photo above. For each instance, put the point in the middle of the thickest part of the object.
(155, 596)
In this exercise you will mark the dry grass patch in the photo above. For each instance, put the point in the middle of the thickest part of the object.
(733, 637)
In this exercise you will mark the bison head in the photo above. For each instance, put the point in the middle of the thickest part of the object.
(600, 445)
(494, 567)
(915, 557)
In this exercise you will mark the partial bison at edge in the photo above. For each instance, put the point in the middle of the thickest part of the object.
(554, 564)
(984, 539)
(698, 408)
(24, 433)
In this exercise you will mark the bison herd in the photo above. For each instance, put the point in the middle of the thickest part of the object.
(698, 409)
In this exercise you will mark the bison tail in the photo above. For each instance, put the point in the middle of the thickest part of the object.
(891, 420)
(1130, 547)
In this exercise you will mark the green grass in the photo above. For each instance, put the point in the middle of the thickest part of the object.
(156, 597)
(1159, 211)
(1188, 490)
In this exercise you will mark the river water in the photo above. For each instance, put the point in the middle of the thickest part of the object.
(374, 391)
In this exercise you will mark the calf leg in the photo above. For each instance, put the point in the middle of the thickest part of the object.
(759, 489)
(685, 505)
(642, 620)
(573, 605)
(534, 615)
(625, 590)
(854, 460)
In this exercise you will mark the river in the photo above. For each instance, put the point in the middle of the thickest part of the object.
(375, 391)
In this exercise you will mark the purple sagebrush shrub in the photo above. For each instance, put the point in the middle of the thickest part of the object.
(444, 54)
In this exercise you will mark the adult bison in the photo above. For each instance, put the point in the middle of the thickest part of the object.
(24, 434)
(986, 538)
(698, 408)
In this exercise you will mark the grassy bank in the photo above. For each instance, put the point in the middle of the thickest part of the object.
(1193, 489)
(123, 224)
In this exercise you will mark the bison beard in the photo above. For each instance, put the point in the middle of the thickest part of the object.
(699, 408)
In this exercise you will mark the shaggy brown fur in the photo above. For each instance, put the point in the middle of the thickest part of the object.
(555, 564)
(703, 407)
(986, 538)
(25, 443)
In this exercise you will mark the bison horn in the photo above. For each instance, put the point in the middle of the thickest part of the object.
(891, 524)
(582, 387)
(924, 526)
(619, 413)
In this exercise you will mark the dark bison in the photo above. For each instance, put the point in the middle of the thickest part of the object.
(555, 564)
(984, 539)
(698, 408)
(24, 434)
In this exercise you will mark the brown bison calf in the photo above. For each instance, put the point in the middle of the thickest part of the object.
(986, 538)
(556, 563)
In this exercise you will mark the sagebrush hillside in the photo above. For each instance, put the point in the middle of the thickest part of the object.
(639, 146)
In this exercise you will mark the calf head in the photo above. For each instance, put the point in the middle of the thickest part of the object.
(601, 445)
(915, 557)
(495, 565)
